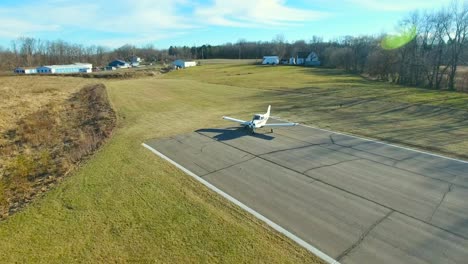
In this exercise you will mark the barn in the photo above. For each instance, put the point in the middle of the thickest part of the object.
(183, 64)
(61, 69)
(119, 64)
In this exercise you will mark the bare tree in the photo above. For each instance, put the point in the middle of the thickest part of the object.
(279, 46)
(456, 33)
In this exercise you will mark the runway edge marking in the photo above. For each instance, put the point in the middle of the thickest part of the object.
(376, 141)
(259, 216)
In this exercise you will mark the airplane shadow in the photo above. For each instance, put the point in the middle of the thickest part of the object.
(232, 133)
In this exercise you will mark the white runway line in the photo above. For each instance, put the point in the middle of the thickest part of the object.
(388, 144)
(377, 141)
(275, 226)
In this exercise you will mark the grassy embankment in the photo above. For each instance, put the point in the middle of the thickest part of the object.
(48, 126)
(128, 205)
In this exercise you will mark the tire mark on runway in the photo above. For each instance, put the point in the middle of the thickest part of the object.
(363, 236)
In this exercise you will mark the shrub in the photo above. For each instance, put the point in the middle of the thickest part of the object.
(22, 167)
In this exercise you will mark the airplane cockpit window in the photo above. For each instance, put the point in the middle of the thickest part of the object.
(256, 117)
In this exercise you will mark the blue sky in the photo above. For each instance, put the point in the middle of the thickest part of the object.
(113, 23)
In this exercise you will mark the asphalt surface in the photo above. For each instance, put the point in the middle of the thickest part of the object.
(356, 200)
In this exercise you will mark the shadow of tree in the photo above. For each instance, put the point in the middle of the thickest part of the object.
(427, 123)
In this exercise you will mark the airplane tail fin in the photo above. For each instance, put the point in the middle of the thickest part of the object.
(268, 111)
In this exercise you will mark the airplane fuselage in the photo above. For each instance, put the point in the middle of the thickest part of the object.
(258, 121)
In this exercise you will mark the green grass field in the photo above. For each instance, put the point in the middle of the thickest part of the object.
(127, 205)
(421, 118)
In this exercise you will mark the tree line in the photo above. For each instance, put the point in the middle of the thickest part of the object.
(33, 52)
(430, 59)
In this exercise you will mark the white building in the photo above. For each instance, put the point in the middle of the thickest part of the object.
(183, 64)
(292, 60)
(308, 59)
(135, 61)
(22, 70)
(272, 60)
(61, 69)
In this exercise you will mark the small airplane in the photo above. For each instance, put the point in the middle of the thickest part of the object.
(259, 121)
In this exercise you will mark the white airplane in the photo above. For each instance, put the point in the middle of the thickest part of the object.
(259, 121)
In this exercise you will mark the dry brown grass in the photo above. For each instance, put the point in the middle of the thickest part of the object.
(43, 139)
(23, 95)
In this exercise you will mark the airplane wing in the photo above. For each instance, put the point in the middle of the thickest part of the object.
(242, 122)
(281, 125)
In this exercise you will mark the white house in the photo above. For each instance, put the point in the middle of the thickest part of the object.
(272, 60)
(292, 60)
(309, 59)
(135, 61)
(183, 64)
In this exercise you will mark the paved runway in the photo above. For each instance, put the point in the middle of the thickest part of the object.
(358, 201)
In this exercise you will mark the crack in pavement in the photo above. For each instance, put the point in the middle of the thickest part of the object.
(329, 165)
(297, 139)
(391, 166)
(178, 140)
(295, 148)
(363, 236)
(237, 163)
(449, 189)
(360, 150)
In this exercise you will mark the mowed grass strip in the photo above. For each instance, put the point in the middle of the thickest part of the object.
(128, 205)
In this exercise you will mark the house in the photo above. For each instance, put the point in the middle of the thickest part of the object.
(135, 61)
(308, 59)
(270, 60)
(23, 70)
(180, 64)
(119, 64)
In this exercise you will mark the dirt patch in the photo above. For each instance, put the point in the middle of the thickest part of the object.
(46, 145)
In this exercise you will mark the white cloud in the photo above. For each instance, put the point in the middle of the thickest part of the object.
(145, 20)
(146, 16)
(135, 40)
(14, 28)
(398, 5)
(248, 13)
